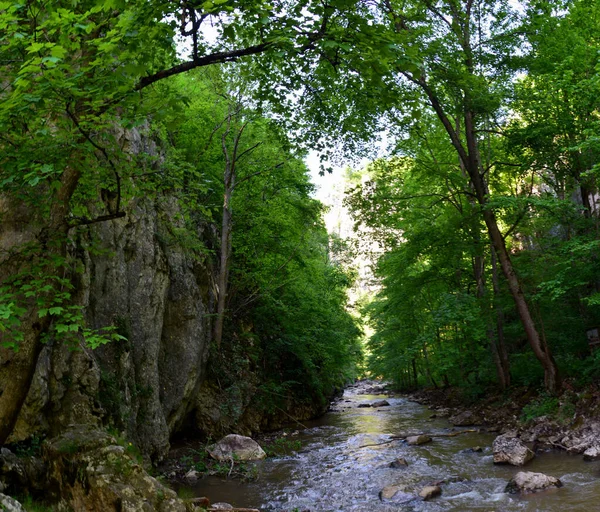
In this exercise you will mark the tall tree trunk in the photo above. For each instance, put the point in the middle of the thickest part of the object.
(225, 255)
(551, 377)
(502, 353)
(471, 160)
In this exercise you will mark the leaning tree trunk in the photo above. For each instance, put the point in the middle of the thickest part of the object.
(502, 353)
(542, 353)
(18, 368)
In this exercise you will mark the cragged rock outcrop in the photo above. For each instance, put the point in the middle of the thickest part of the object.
(509, 449)
(526, 482)
(18, 473)
(88, 470)
(8, 504)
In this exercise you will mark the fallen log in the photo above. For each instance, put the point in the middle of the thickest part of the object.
(450, 434)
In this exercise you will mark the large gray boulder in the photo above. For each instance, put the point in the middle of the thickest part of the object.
(511, 450)
(592, 453)
(236, 447)
(526, 482)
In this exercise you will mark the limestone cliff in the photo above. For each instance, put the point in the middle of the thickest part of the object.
(159, 296)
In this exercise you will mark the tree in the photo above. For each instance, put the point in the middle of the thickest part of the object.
(453, 59)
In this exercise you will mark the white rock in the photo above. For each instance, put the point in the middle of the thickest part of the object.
(9, 504)
(192, 475)
(528, 482)
(236, 447)
(511, 450)
(592, 453)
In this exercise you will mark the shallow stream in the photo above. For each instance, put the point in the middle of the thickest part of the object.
(335, 470)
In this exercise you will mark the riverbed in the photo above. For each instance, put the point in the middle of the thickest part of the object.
(344, 463)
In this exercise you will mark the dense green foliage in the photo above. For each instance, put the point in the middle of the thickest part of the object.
(286, 317)
(443, 305)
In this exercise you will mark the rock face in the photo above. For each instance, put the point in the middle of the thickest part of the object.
(88, 470)
(236, 447)
(417, 440)
(511, 450)
(528, 482)
(159, 297)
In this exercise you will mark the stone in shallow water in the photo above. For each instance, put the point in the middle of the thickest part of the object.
(465, 419)
(380, 403)
(430, 491)
(526, 482)
(236, 447)
(592, 453)
(417, 440)
(399, 463)
(511, 450)
(396, 493)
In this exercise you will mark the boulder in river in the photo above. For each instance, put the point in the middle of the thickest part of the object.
(399, 463)
(396, 493)
(592, 453)
(465, 419)
(417, 440)
(430, 491)
(236, 447)
(511, 450)
(380, 403)
(527, 482)
(364, 405)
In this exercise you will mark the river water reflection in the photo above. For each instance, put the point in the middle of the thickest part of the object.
(335, 470)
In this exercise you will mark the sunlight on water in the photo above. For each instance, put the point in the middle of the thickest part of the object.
(344, 464)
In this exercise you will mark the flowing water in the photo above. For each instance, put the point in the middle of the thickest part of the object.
(338, 469)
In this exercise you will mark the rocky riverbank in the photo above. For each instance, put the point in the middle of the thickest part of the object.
(570, 422)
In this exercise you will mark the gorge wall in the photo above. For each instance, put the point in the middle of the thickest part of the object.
(161, 297)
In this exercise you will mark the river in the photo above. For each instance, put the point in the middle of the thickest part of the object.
(335, 470)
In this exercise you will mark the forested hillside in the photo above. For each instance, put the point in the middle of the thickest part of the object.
(488, 213)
